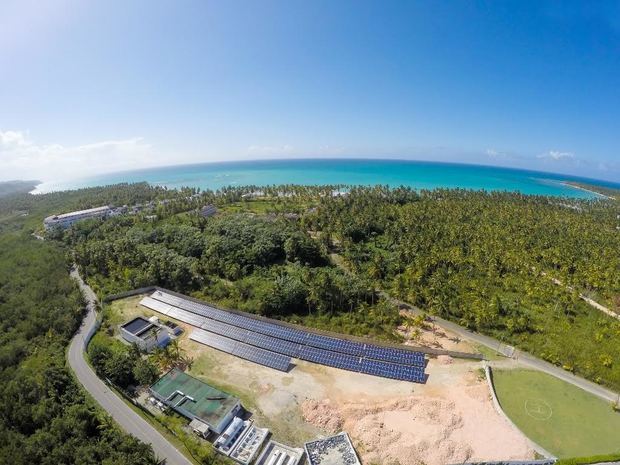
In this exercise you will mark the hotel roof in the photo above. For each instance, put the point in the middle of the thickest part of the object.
(77, 213)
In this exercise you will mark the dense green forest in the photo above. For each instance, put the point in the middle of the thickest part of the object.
(304, 254)
(44, 415)
(484, 260)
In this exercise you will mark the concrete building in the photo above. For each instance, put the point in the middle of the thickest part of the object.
(146, 334)
(249, 444)
(280, 454)
(67, 219)
(231, 434)
(196, 400)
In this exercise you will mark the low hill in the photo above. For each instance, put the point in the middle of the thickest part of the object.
(17, 187)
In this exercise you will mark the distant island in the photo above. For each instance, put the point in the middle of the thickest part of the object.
(17, 187)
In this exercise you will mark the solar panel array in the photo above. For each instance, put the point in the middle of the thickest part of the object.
(247, 352)
(258, 341)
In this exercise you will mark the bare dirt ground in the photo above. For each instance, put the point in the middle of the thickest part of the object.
(448, 420)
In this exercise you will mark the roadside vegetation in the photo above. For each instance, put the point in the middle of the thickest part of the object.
(45, 417)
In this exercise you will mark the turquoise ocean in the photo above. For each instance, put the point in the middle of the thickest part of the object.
(416, 174)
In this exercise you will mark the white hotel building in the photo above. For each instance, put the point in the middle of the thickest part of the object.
(67, 219)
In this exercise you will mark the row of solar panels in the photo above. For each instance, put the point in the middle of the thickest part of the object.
(233, 339)
(323, 357)
(386, 354)
(247, 352)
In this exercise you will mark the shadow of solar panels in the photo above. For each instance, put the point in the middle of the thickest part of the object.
(241, 350)
(280, 340)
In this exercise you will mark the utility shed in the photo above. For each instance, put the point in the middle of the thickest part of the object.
(196, 400)
(144, 333)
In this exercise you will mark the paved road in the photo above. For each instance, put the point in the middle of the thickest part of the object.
(129, 420)
(523, 357)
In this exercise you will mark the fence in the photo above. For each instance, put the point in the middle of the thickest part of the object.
(123, 295)
(91, 332)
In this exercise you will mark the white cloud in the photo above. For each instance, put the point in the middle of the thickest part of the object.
(22, 158)
(557, 155)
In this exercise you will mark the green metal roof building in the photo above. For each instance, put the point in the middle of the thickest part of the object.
(196, 400)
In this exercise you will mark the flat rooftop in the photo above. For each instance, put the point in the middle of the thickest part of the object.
(275, 452)
(79, 212)
(209, 404)
(335, 450)
(137, 326)
(249, 444)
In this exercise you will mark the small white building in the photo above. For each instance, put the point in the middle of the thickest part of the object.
(145, 334)
(228, 438)
(249, 444)
(67, 219)
(280, 454)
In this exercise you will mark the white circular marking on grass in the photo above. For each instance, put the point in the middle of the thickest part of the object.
(538, 409)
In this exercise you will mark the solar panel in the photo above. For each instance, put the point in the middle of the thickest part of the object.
(186, 317)
(213, 340)
(273, 344)
(389, 354)
(335, 344)
(241, 350)
(263, 357)
(223, 329)
(155, 305)
(392, 370)
(266, 343)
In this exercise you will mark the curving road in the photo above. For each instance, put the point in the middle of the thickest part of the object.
(129, 420)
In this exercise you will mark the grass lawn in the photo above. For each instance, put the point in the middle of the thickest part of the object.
(562, 418)
(122, 310)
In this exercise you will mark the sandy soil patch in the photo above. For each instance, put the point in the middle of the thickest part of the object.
(449, 420)
(452, 426)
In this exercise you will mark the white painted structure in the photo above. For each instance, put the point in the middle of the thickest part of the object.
(249, 444)
(230, 435)
(67, 219)
(280, 454)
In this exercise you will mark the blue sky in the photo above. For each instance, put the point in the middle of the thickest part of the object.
(99, 86)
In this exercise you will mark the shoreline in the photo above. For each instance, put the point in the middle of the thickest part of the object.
(575, 186)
